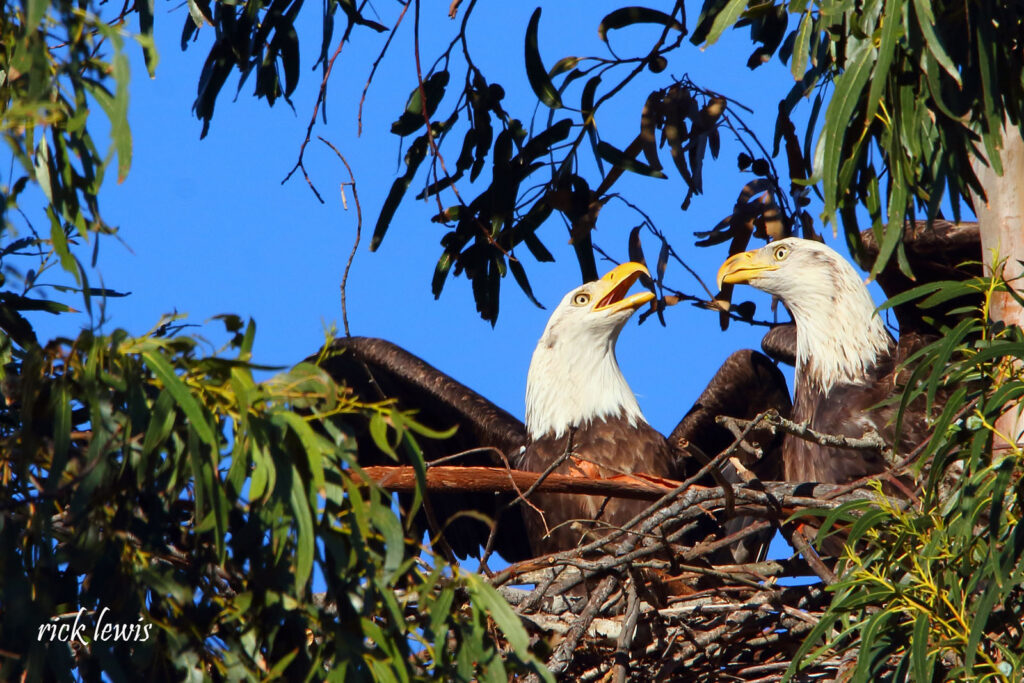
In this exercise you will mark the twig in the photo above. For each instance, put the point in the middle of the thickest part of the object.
(321, 99)
(871, 441)
(359, 231)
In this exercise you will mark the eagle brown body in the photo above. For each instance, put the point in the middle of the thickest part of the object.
(852, 410)
(595, 451)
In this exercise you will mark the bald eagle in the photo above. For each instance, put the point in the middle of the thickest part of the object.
(847, 363)
(578, 405)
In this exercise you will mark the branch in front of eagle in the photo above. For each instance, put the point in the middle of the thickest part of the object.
(562, 657)
(688, 508)
(872, 441)
(758, 620)
(462, 454)
(489, 545)
(794, 535)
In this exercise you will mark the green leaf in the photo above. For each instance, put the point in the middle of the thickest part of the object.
(394, 543)
(413, 158)
(587, 102)
(444, 264)
(926, 21)
(541, 143)
(725, 18)
(161, 420)
(311, 443)
(562, 65)
(496, 608)
(627, 16)
(41, 165)
(892, 30)
(379, 433)
(848, 89)
(182, 396)
(36, 12)
(60, 405)
(893, 229)
(264, 473)
(919, 650)
(798, 63)
(305, 538)
(618, 158)
(116, 106)
(535, 71)
(415, 115)
(197, 15)
(979, 621)
(587, 114)
(519, 273)
(22, 303)
(60, 244)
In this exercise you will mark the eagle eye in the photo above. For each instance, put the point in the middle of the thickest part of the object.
(780, 252)
(580, 299)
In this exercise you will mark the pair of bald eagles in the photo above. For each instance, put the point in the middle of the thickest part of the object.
(578, 402)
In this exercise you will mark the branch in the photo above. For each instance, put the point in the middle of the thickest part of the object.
(456, 479)
(871, 441)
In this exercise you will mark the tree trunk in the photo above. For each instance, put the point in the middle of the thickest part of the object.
(1001, 220)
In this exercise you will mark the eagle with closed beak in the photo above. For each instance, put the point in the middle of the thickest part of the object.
(847, 363)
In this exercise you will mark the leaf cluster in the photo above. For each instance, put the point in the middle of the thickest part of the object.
(915, 96)
(59, 62)
(540, 170)
(935, 590)
(150, 485)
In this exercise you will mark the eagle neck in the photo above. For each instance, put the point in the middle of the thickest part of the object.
(572, 382)
(840, 337)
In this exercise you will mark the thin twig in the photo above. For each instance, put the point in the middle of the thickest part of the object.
(359, 232)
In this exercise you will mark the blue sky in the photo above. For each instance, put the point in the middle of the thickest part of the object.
(207, 227)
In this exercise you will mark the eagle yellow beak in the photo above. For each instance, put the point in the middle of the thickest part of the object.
(612, 289)
(744, 267)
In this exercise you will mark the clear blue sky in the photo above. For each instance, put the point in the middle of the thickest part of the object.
(208, 228)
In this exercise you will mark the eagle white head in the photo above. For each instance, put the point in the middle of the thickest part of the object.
(839, 334)
(574, 377)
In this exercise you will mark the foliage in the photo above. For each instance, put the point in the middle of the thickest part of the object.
(153, 487)
(919, 90)
(935, 591)
(52, 72)
(496, 176)
(889, 84)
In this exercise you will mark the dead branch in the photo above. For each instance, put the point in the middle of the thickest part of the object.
(871, 441)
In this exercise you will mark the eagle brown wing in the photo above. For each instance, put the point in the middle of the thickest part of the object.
(375, 370)
(780, 343)
(746, 384)
(854, 410)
